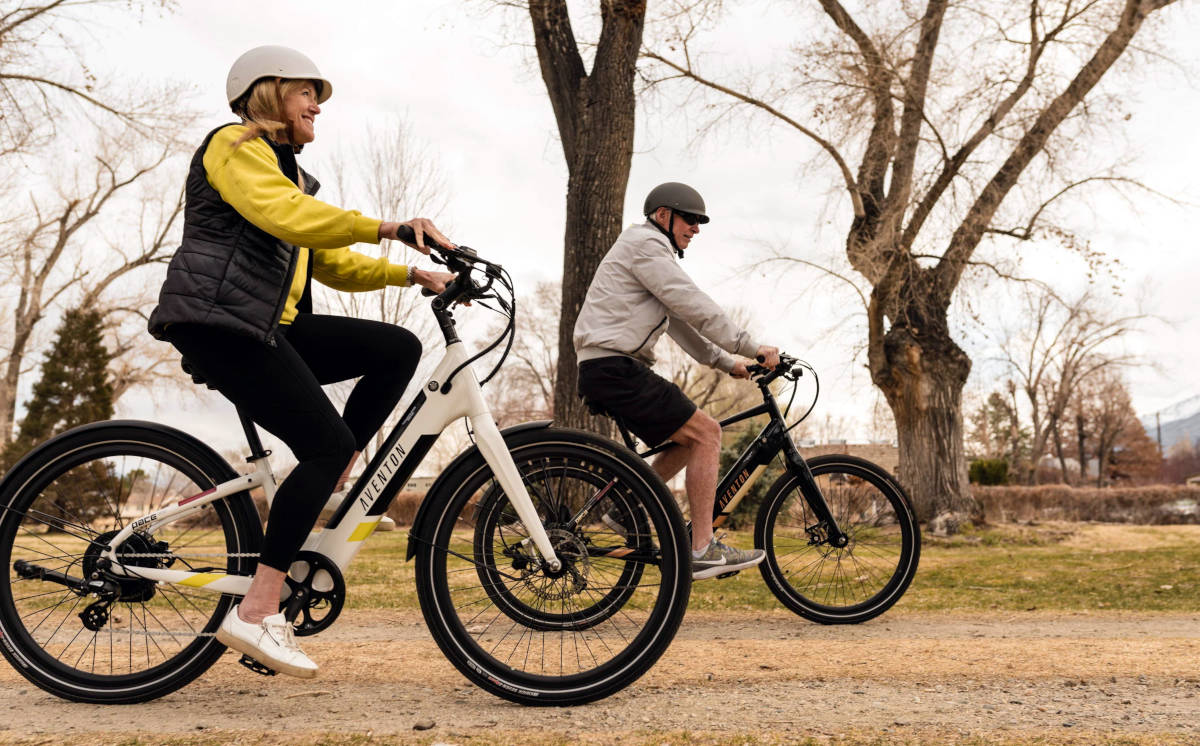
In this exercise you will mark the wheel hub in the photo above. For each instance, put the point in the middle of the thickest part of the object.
(132, 553)
(572, 553)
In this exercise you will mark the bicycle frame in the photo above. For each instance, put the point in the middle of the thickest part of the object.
(440, 401)
(750, 465)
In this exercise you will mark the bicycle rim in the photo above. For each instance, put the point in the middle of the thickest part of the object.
(573, 636)
(145, 639)
(839, 585)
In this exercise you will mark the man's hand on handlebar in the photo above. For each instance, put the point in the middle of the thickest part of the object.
(739, 369)
(420, 227)
(768, 356)
(435, 282)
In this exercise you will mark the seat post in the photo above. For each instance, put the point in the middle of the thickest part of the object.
(256, 446)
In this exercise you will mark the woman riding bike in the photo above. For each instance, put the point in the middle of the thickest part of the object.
(237, 304)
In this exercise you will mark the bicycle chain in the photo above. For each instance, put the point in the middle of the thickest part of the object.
(165, 555)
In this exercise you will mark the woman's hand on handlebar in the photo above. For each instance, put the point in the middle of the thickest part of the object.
(435, 282)
(421, 227)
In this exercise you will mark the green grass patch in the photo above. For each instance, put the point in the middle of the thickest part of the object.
(1053, 567)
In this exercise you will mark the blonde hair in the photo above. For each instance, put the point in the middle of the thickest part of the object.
(262, 108)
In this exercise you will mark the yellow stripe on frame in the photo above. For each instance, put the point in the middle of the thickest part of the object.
(202, 579)
(364, 530)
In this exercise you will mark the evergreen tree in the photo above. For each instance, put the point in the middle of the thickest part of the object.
(73, 390)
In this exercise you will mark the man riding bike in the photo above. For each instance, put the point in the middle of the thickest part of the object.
(640, 291)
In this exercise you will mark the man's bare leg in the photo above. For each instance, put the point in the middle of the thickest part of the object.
(670, 462)
(699, 450)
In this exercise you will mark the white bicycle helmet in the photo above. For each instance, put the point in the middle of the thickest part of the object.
(272, 62)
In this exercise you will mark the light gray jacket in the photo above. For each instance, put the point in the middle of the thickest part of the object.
(639, 292)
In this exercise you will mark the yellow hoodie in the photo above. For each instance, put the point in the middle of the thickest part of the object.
(249, 180)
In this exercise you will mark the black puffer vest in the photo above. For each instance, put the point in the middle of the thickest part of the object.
(227, 272)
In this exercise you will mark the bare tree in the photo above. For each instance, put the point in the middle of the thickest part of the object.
(396, 177)
(941, 138)
(44, 77)
(1107, 429)
(44, 250)
(525, 389)
(1061, 345)
(595, 114)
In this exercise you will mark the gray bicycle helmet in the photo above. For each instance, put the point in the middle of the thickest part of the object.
(678, 197)
(272, 62)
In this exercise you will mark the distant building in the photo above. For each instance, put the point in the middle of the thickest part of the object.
(885, 453)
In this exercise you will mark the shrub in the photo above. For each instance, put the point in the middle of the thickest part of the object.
(1159, 504)
(988, 471)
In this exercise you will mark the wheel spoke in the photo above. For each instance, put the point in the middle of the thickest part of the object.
(838, 584)
(514, 618)
(81, 493)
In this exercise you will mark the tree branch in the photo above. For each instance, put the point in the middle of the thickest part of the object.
(828, 147)
(966, 238)
(561, 65)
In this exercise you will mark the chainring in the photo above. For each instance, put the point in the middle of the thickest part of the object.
(316, 595)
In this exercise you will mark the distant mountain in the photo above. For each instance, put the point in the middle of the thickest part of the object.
(1179, 420)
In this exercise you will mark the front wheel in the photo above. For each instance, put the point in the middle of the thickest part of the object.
(119, 639)
(565, 637)
(839, 585)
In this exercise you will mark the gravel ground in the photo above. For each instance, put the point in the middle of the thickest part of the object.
(903, 678)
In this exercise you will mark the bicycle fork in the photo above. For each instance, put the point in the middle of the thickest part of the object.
(826, 529)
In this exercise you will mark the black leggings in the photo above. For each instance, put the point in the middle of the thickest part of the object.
(280, 389)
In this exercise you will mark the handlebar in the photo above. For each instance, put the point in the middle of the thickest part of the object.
(788, 366)
(460, 261)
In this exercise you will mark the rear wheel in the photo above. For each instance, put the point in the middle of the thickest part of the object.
(565, 637)
(122, 640)
(839, 585)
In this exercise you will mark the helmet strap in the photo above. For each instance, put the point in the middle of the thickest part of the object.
(669, 232)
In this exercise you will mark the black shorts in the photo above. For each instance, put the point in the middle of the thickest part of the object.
(652, 407)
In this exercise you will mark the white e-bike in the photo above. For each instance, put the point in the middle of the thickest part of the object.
(551, 564)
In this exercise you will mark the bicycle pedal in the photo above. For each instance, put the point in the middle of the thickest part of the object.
(255, 666)
(727, 574)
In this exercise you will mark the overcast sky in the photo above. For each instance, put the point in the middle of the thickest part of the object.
(469, 87)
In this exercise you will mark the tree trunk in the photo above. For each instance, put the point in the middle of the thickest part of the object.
(595, 116)
(921, 372)
(1064, 475)
(595, 201)
(1081, 436)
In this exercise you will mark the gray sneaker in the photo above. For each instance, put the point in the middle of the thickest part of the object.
(719, 559)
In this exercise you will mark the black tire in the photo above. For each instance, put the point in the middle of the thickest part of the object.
(61, 502)
(518, 631)
(850, 584)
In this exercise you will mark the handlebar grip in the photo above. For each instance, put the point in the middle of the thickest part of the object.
(427, 292)
(408, 235)
(761, 358)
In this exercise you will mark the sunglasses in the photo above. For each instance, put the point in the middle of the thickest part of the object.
(687, 217)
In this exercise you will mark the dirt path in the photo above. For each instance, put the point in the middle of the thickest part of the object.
(1081, 677)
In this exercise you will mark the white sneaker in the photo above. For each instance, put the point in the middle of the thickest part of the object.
(271, 643)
